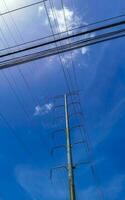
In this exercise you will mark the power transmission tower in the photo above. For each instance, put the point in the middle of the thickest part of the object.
(70, 167)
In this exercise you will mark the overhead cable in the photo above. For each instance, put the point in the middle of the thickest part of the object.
(113, 25)
(20, 8)
(64, 32)
(62, 49)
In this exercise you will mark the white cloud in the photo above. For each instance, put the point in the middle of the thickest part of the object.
(42, 14)
(66, 58)
(92, 35)
(37, 110)
(68, 21)
(40, 9)
(42, 110)
(64, 17)
(84, 50)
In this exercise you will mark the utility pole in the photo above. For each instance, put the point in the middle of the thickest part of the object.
(69, 145)
(70, 166)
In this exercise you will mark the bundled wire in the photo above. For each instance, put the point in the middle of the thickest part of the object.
(61, 49)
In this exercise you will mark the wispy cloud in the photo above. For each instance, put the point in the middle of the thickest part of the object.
(63, 19)
(84, 50)
(66, 19)
(40, 9)
(42, 110)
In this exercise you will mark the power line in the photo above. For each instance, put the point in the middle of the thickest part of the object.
(28, 116)
(113, 25)
(64, 48)
(71, 58)
(92, 168)
(59, 56)
(93, 172)
(17, 97)
(34, 98)
(11, 16)
(17, 136)
(72, 61)
(67, 84)
(76, 83)
(69, 46)
(55, 17)
(13, 90)
(20, 8)
(60, 33)
(11, 86)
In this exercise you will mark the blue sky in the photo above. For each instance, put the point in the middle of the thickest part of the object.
(25, 159)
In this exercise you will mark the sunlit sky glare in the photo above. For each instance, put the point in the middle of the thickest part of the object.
(25, 103)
